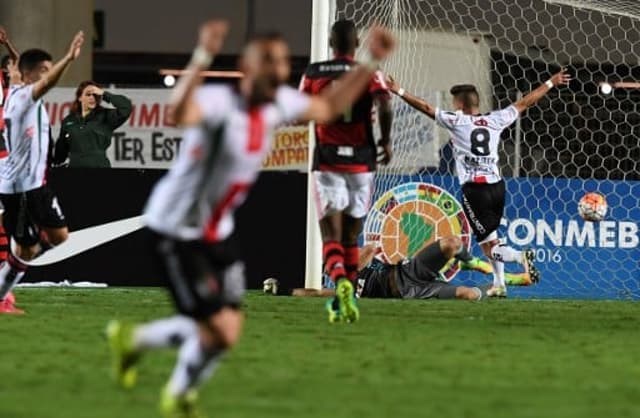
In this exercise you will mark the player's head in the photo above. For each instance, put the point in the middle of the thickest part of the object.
(33, 64)
(266, 65)
(344, 37)
(86, 98)
(465, 97)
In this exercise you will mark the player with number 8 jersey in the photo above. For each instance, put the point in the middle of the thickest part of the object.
(475, 138)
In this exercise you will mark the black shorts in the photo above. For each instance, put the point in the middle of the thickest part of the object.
(418, 278)
(25, 213)
(203, 278)
(484, 206)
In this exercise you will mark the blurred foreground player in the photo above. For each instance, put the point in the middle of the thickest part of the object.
(32, 217)
(344, 163)
(475, 140)
(190, 212)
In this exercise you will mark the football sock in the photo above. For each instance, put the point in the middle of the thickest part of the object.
(194, 366)
(498, 273)
(11, 272)
(351, 254)
(4, 244)
(333, 257)
(506, 254)
(164, 333)
(463, 254)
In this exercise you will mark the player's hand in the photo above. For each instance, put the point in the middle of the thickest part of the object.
(3, 36)
(97, 91)
(561, 78)
(75, 46)
(381, 42)
(392, 84)
(384, 156)
(212, 35)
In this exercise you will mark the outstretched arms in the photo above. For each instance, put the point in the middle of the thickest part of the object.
(51, 78)
(335, 100)
(413, 101)
(559, 79)
(184, 110)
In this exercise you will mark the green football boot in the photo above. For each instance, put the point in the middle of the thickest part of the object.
(345, 294)
(184, 406)
(123, 356)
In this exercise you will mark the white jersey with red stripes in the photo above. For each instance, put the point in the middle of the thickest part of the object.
(218, 163)
(26, 135)
(475, 140)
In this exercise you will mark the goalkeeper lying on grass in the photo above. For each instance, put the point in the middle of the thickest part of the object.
(419, 277)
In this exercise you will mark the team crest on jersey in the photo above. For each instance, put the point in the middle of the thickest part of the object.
(410, 216)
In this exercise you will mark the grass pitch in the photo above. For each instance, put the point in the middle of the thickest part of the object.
(503, 358)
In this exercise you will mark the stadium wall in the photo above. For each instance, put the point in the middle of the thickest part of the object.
(271, 227)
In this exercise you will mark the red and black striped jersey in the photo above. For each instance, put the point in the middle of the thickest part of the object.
(347, 144)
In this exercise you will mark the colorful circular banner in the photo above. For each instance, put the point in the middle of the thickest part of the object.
(410, 216)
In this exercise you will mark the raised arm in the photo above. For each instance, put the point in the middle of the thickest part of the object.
(559, 79)
(51, 78)
(347, 89)
(182, 107)
(4, 40)
(413, 101)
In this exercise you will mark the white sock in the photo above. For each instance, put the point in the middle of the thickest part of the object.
(164, 333)
(9, 277)
(506, 254)
(194, 366)
(498, 273)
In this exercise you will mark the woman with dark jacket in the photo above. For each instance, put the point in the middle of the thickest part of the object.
(85, 134)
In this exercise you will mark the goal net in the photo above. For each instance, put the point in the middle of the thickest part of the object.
(575, 140)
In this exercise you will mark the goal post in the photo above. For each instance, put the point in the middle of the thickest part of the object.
(321, 20)
(575, 140)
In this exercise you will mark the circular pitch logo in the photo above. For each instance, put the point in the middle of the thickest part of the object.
(410, 216)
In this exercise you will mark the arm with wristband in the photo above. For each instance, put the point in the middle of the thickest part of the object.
(413, 101)
(559, 79)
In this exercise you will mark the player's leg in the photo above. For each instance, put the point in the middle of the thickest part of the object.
(331, 199)
(221, 322)
(483, 205)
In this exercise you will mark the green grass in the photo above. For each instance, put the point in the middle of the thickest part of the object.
(506, 358)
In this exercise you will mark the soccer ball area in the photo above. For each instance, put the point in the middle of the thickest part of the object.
(507, 358)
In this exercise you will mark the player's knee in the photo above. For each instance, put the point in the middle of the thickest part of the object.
(57, 236)
(227, 327)
(450, 246)
(27, 253)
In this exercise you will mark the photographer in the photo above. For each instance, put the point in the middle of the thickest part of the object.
(85, 133)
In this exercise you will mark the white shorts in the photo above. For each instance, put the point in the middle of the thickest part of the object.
(343, 192)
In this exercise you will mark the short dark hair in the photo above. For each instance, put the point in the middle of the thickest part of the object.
(30, 59)
(466, 93)
(344, 36)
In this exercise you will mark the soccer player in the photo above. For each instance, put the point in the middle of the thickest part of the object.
(7, 305)
(190, 211)
(32, 214)
(344, 162)
(419, 277)
(475, 138)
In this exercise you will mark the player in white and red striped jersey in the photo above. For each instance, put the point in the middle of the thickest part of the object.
(32, 214)
(475, 138)
(190, 211)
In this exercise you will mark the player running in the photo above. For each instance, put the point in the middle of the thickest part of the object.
(190, 211)
(32, 217)
(344, 162)
(475, 138)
